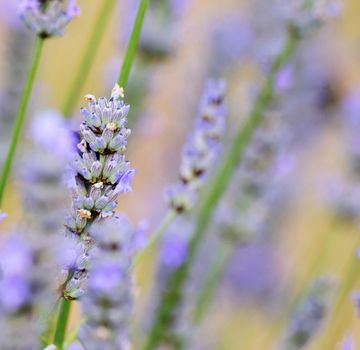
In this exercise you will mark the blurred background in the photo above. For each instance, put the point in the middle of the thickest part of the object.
(305, 227)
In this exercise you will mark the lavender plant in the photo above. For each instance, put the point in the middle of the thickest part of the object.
(100, 249)
(101, 173)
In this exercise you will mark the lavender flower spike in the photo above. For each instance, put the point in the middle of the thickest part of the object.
(309, 316)
(107, 305)
(101, 174)
(48, 18)
(201, 150)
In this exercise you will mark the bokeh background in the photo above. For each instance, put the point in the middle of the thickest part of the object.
(251, 316)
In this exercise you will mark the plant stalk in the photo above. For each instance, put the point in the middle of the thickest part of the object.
(20, 117)
(132, 44)
(62, 322)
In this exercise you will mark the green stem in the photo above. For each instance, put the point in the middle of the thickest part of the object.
(172, 296)
(88, 57)
(155, 237)
(62, 322)
(132, 44)
(20, 117)
(211, 283)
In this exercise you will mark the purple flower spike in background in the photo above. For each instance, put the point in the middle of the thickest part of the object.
(202, 149)
(107, 304)
(48, 18)
(309, 316)
(27, 290)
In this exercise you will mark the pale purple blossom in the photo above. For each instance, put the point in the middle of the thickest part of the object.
(101, 174)
(48, 18)
(107, 305)
(27, 288)
(201, 151)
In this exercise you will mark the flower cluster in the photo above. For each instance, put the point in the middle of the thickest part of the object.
(310, 315)
(27, 290)
(48, 18)
(101, 172)
(201, 150)
(107, 304)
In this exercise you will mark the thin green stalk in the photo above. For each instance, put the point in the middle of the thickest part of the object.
(172, 296)
(88, 57)
(122, 81)
(20, 117)
(208, 290)
(62, 322)
(155, 237)
(133, 43)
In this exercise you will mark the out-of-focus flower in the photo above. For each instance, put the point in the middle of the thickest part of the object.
(309, 316)
(107, 305)
(43, 170)
(253, 273)
(48, 18)
(347, 343)
(101, 173)
(201, 150)
(231, 39)
(27, 289)
(51, 131)
(307, 15)
(2, 216)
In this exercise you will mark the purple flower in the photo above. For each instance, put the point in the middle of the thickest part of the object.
(27, 288)
(51, 131)
(48, 18)
(202, 148)
(173, 250)
(15, 294)
(2, 216)
(309, 315)
(101, 173)
(107, 305)
(347, 343)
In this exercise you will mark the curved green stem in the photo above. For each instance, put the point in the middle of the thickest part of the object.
(88, 57)
(132, 44)
(20, 117)
(155, 237)
(62, 322)
(172, 296)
